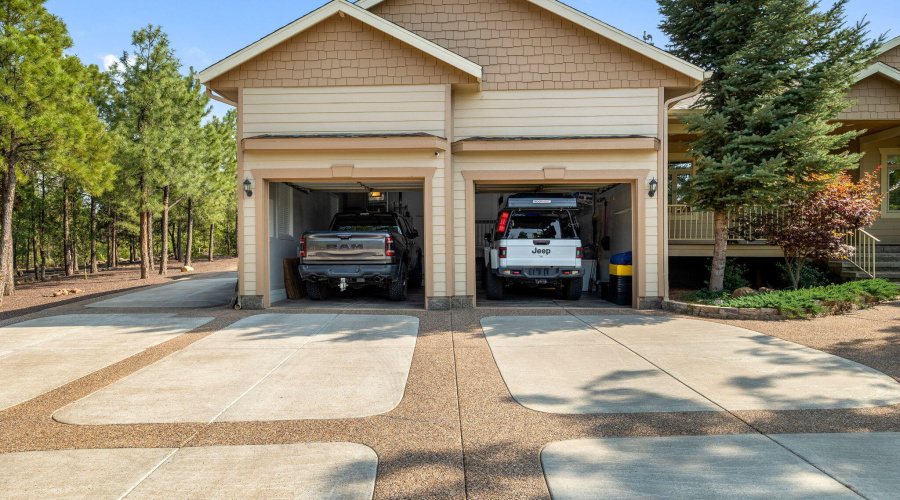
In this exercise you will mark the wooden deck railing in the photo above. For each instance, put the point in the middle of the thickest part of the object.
(687, 224)
(863, 254)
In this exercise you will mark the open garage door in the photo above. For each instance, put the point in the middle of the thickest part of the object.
(603, 220)
(298, 208)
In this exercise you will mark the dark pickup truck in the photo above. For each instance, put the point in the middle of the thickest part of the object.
(362, 249)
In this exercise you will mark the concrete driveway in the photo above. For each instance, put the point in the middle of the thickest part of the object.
(625, 364)
(752, 466)
(432, 404)
(266, 367)
(183, 293)
(313, 471)
(42, 354)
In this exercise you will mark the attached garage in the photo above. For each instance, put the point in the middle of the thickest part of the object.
(345, 101)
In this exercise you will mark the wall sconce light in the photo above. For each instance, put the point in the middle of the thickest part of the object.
(247, 190)
(653, 186)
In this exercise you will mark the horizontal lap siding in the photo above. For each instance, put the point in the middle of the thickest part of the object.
(615, 112)
(341, 110)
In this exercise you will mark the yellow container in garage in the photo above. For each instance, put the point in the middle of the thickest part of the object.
(617, 270)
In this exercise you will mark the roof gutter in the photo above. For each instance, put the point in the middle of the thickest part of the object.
(220, 98)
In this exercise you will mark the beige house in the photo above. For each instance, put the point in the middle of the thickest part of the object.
(447, 105)
(876, 112)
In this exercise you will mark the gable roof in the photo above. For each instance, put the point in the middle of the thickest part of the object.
(888, 45)
(315, 17)
(618, 36)
(882, 69)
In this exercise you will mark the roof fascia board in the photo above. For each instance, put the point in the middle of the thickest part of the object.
(324, 12)
(606, 31)
(888, 45)
(880, 68)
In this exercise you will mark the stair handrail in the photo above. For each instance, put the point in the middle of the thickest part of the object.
(863, 254)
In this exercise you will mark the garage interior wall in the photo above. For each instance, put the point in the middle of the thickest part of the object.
(619, 215)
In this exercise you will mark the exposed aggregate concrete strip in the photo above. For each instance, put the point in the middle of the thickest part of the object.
(467, 441)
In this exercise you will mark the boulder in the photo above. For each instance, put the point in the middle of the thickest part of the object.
(742, 292)
(187, 269)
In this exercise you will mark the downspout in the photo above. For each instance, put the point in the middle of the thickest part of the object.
(664, 184)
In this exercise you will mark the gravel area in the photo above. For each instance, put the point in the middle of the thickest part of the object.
(458, 433)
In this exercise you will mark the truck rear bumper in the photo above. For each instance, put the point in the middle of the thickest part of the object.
(540, 272)
(350, 271)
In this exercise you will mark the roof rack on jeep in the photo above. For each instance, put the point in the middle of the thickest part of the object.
(543, 200)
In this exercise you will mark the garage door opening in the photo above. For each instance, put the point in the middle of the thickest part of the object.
(338, 224)
(602, 218)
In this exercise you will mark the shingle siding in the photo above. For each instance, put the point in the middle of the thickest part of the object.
(340, 53)
(522, 46)
(891, 57)
(877, 98)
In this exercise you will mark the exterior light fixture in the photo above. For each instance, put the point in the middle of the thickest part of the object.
(653, 185)
(247, 188)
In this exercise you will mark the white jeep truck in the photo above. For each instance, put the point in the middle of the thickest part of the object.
(535, 243)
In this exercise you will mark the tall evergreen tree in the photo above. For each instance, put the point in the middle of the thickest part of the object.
(146, 108)
(46, 120)
(780, 73)
(184, 159)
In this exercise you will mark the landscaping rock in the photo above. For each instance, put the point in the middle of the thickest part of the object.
(742, 292)
(187, 269)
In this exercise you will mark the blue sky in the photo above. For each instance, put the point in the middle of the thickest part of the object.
(204, 31)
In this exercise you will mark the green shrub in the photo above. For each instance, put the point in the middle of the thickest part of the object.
(810, 277)
(704, 295)
(803, 302)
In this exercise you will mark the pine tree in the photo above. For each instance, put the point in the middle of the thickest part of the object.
(184, 159)
(46, 120)
(146, 110)
(780, 73)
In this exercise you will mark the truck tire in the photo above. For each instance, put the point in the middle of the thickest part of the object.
(317, 290)
(415, 276)
(494, 286)
(397, 288)
(572, 288)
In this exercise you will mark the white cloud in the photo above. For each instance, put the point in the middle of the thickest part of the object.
(108, 61)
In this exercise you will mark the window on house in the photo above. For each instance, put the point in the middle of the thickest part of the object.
(893, 182)
(680, 173)
(284, 212)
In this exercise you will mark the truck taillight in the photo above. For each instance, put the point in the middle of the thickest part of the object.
(302, 247)
(502, 223)
(579, 253)
(389, 247)
(502, 252)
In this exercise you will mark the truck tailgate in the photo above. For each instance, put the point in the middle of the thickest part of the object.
(332, 247)
(540, 253)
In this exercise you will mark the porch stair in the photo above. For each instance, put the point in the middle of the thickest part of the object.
(887, 265)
